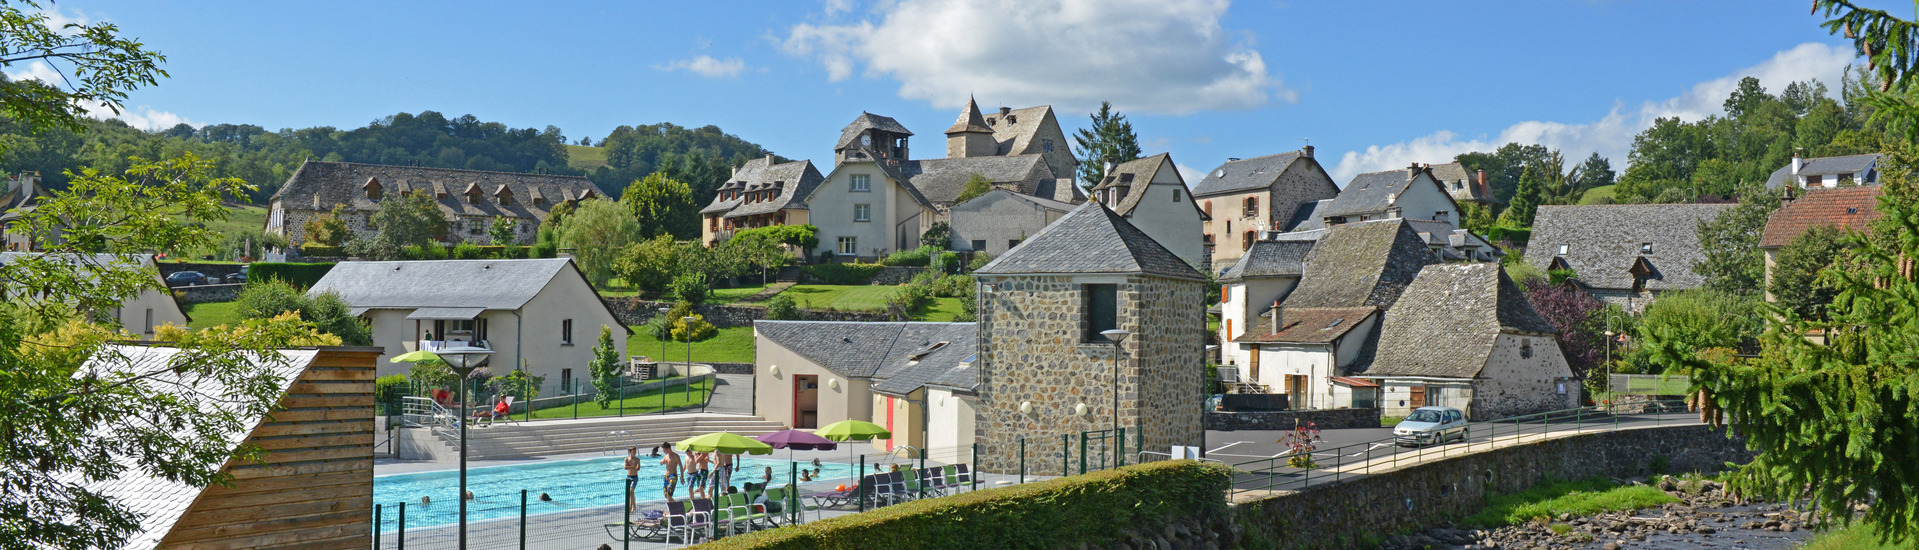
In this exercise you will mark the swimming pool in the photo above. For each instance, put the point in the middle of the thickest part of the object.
(573, 484)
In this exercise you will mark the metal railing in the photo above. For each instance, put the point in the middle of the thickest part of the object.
(1294, 471)
(423, 412)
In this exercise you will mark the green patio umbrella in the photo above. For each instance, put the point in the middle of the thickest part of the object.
(724, 442)
(421, 356)
(853, 430)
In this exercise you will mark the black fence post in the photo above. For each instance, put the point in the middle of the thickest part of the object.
(401, 537)
(377, 522)
(1022, 460)
(522, 519)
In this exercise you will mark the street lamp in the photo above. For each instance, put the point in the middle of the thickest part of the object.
(688, 394)
(1115, 336)
(660, 365)
(462, 360)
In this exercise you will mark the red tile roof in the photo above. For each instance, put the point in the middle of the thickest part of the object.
(1355, 382)
(1852, 208)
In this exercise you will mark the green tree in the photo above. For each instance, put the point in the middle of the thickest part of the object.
(975, 186)
(1692, 322)
(759, 250)
(403, 221)
(329, 229)
(940, 234)
(1733, 263)
(1476, 217)
(662, 206)
(1109, 138)
(597, 231)
(605, 369)
(502, 231)
(1525, 203)
(1596, 171)
(650, 264)
(1503, 166)
(1796, 286)
(78, 410)
(97, 68)
(327, 312)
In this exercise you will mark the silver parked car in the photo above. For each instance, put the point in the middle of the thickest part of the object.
(1429, 425)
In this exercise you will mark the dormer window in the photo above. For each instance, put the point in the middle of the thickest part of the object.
(373, 189)
(503, 196)
(1562, 249)
(1046, 144)
(1645, 248)
(1852, 210)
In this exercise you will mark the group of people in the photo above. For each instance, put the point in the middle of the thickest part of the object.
(698, 471)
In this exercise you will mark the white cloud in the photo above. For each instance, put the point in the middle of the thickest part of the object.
(142, 117)
(836, 7)
(1611, 136)
(57, 19)
(707, 66)
(1190, 174)
(1149, 56)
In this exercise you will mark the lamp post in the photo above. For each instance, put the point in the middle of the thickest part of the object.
(462, 360)
(1115, 336)
(688, 394)
(661, 363)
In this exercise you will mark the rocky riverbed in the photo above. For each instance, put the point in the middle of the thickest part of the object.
(1706, 517)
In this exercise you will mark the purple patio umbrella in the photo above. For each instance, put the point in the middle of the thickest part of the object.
(797, 439)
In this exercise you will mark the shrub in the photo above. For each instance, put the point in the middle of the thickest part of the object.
(690, 287)
(467, 251)
(1098, 509)
(545, 249)
(781, 308)
(1515, 235)
(518, 383)
(266, 297)
(695, 330)
(387, 391)
(437, 252)
(917, 257)
(412, 253)
(844, 274)
(513, 252)
(321, 251)
(947, 262)
(979, 260)
(302, 275)
(939, 234)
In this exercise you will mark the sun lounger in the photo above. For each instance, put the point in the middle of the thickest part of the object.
(685, 520)
(651, 524)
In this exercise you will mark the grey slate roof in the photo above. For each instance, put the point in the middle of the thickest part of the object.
(161, 502)
(970, 120)
(342, 183)
(791, 181)
(902, 375)
(1860, 166)
(1470, 189)
(1239, 176)
(1309, 215)
(1373, 192)
(1016, 133)
(1091, 239)
(1270, 259)
(941, 180)
(1447, 321)
(1361, 264)
(864, 349)
(964, 376)
(1134, 176)
(490, 284)
(868, 121)
(1603, 242)
(1306, 325)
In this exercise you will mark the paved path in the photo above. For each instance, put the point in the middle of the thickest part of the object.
(732, 395)
(770, 290)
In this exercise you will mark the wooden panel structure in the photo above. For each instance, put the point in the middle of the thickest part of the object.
(314, 488)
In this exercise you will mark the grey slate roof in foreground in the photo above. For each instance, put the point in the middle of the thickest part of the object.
(1089, 240)
(1447, 321)
(1239, 176)
(866, 349)
(936, 352)
(1361, 264)
(1604, 241)
(490, 284)
(1270, 259)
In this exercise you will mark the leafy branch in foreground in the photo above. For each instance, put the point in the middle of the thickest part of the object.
(95, 67)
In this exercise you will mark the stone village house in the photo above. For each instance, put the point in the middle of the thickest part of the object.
(470, 199)
(540, 314)
(20, 196)
(998, 220)
(1809, 173)
(759, 194)
(1150, 193)
(1623, 254)
(1243, 197)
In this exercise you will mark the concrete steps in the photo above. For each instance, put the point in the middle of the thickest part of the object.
(556, 437)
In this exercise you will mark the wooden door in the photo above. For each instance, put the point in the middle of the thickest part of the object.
(1252, 366)
(806, 399)
(1418, 398)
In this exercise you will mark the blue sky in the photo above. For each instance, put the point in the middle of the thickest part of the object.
(1373, 85)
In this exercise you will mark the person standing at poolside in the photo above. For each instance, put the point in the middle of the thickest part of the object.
(696, 469)
(723, 474)
(632, 474)
(671, 477)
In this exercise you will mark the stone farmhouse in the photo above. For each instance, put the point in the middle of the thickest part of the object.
(879, 199)
(1045, 369)
(1845, 208)
(1807, 173)
(1625, 254)
(1465, 187)
(813, 373)
(1409, 193)
(470, 199)
(20, 196)
(1000, 219)
(1150, 193)
(538, 314)
(137, 315)
(759, 194)
(1464, 336)
(1243, 197)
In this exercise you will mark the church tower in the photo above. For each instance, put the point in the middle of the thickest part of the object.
(970, 136)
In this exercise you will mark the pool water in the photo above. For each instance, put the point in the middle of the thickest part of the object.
(573, 484)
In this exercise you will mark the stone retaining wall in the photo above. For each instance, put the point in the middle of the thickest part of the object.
(1285, 420)
(587, 393)
(207, 293)
(635, 312)
(1359, 512)
(215, 270)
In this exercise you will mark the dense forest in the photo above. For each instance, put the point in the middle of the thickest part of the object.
(701, 156)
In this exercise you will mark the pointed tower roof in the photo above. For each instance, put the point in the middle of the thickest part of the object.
(970, 120)
(1091, 240)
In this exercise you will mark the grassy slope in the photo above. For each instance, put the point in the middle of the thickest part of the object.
(1580, 498)
(640, 403)
(1857, 536)
(585, 158)
(842, 297)
(1592, 195)
(207, 314)
(720, 295)
(733, 345)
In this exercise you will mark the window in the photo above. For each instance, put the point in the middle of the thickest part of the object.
(149, 324)
(1175, 195)
(566, 380)
(862, 212)
(1046, 145)
(1645, 248)
(474, 227)
(566, 332)
(1010, 243)
(861, 183)
(505, 200)
(1562, 249)
(1458, 186)
(1208, 207)
(1814, 180)
(1440, 215)
(979, 244)
(1250, 208)
(1247, 244)
(1526, 349)
(373, 193)
(849, 246)
(1100, 309)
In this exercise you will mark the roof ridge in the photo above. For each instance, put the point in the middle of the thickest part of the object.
(305, 162)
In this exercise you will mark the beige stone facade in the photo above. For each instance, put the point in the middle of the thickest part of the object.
(1034, 353)
(1235, 222)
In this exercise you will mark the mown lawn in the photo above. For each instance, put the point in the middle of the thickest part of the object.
(732, 345)
(639, 403)
(208, 314)
(1593, 195)
(1579, 498)
(942, 311)
(585, 158)
(842, 297)
(616, 289)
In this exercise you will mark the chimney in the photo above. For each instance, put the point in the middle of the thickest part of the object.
(1307, 151)
(1797, 163)
(1003, 111)
(1786, 198)
(1276, 317)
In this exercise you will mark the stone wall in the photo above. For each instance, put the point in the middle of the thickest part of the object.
(208, 293)
(1032, 352)
(1332, 419)
(1349, 514)
(215, 270)
(635, 312)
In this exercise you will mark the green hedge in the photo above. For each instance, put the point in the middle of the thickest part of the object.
(321, 251)
(1099, 508)
(301, 275)
(844, 274)
(1516, 235)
